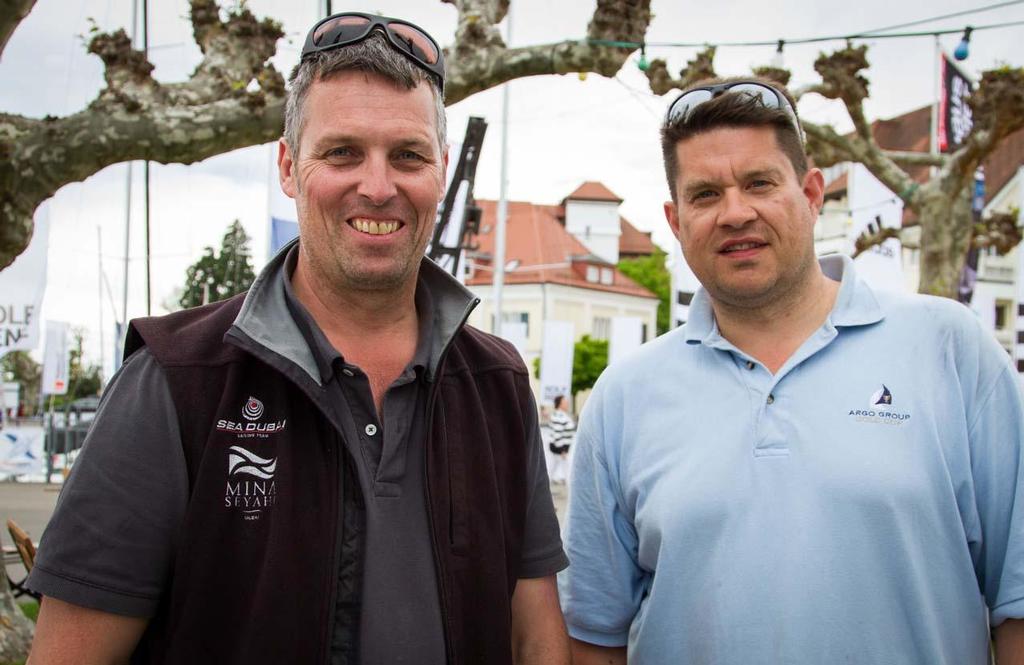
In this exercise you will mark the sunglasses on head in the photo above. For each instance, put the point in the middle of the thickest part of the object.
(768, 96)
(350, 28)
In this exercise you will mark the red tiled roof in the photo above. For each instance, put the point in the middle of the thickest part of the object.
(634, 242)
(534, 237)
(593, 191)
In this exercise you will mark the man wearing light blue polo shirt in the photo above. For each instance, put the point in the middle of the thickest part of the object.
(808, 471)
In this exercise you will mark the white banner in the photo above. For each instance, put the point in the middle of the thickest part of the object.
(515, 332)
(684, 286)
(56, 359)
(22, 285)
(556, 360)
(627, 336)
(873, 206)
(983, 304)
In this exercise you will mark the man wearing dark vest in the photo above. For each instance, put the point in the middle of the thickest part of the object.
(333, 468)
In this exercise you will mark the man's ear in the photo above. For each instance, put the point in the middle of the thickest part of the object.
(672, 216)
(814, 189)
(286, 170)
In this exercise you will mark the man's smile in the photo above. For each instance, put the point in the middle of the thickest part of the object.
(375, 227)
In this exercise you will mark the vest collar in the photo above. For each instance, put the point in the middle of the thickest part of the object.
(265, 317)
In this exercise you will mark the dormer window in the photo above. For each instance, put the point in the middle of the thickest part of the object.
(593, 274)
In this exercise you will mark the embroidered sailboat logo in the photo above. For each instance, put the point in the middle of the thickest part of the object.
(241, 460)
(881, 398)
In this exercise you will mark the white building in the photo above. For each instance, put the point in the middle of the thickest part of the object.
(553, 274)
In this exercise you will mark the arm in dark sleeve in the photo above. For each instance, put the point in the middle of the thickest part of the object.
(110, 542)
(542, 545)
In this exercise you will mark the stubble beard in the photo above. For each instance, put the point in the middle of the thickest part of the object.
(786, 290)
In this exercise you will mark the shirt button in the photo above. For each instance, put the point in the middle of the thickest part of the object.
(750, 364)
(371, 429)
(347, 372)
(771, 399)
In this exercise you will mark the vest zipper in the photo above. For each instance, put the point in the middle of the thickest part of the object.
(338, 452)
(438, 566)
(431, 402)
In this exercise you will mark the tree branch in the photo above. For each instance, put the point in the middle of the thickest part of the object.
(828, 148)
(700, 68)
(12, 13)
(479, 58)
(235, 98)
(866, 241)
(841, 79)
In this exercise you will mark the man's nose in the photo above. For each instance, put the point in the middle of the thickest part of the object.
(376, 182)
(736, 210)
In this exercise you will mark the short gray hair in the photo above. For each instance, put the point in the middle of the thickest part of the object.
(373, 55)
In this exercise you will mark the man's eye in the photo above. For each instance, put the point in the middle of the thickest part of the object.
(409, 155)
(760, 184)
(339, 153)
(702, 195)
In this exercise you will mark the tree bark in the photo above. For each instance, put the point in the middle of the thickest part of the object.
(15, 628)
(944, 240)
(235, 98)
(12, 12)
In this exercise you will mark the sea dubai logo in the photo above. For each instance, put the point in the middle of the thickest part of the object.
(257, 492)
(252, 411)
(881, 410)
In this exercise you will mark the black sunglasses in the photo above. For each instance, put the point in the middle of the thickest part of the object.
(684, 105)
(350, 28)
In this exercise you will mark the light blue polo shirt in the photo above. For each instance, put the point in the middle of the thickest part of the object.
(856, 507)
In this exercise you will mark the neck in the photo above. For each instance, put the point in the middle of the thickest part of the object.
(352, 319)
(771, 333)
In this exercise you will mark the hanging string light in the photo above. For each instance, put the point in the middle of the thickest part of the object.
(642, 63)
(964, 47)
(778, 61)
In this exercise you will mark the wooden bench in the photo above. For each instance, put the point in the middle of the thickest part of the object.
(26, 551)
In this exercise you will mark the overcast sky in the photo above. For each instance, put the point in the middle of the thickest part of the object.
(562, 129)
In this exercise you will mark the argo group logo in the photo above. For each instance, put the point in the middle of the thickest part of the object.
(881, 410)
(250, 485)
(252, 411)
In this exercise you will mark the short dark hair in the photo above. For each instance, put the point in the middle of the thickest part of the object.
(732, 110)
(558, 401)
(373, 55)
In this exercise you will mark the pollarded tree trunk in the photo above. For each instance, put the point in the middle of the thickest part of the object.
(15, 628)
(945, 239)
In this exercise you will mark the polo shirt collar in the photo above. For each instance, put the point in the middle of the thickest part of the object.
(855, 305)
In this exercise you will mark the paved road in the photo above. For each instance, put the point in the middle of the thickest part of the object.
(30, 505)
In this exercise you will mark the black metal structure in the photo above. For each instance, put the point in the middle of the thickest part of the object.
(465, 171)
